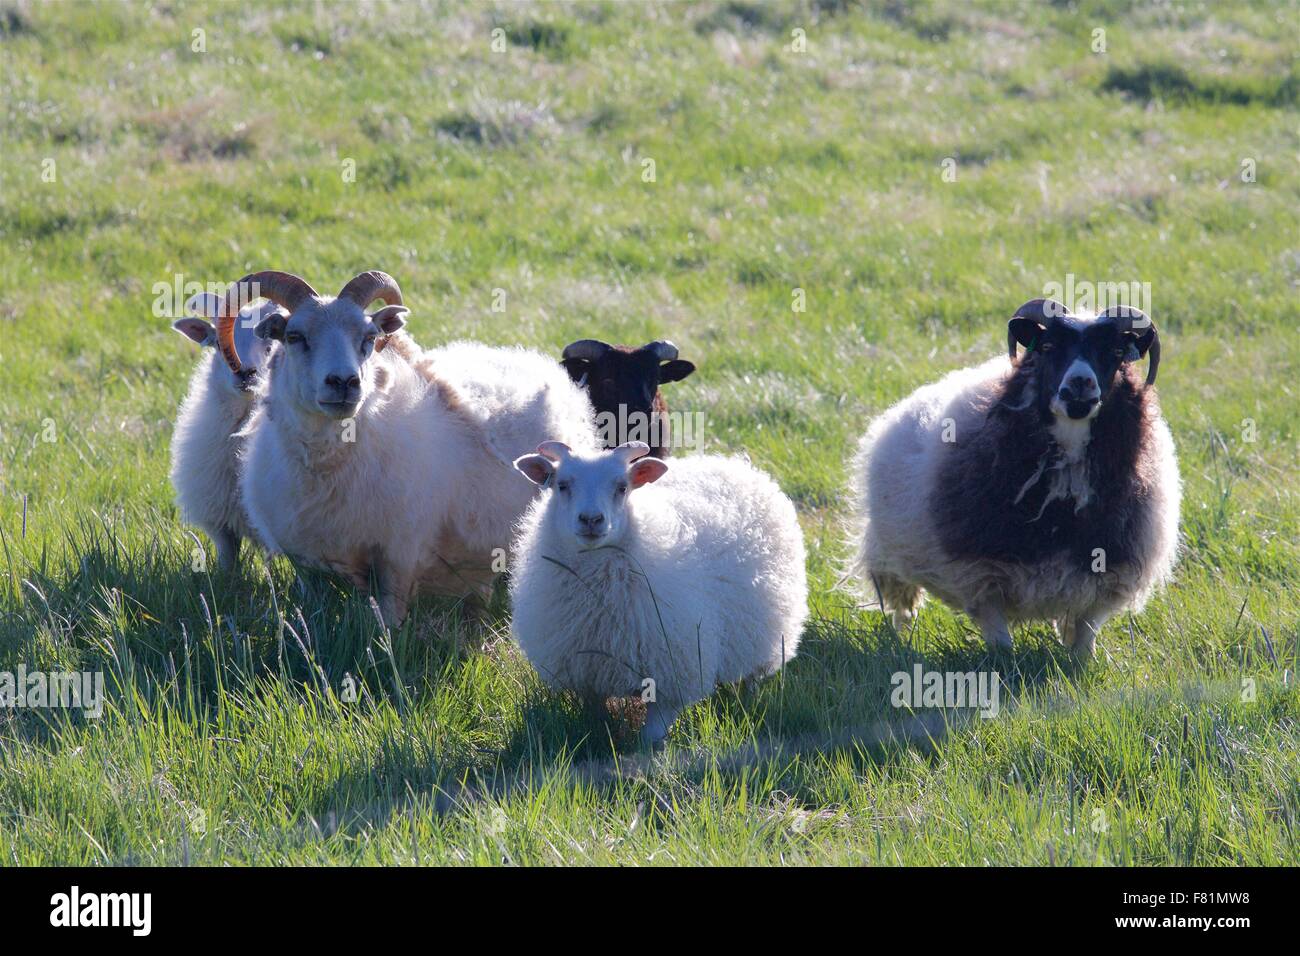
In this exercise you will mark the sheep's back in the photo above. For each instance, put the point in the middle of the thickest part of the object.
(897, 463)
(740, 552)
(518, 396)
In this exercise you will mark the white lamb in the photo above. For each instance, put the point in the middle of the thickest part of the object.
(388, 465)
(623, 588)
(204, 449)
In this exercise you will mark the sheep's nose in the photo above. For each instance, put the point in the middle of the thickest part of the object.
(592, 522)
(1079, 386)
(342, 383)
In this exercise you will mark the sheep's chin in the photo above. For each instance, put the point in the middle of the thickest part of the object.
(590, 542)
(338, 410)
(1071, 433)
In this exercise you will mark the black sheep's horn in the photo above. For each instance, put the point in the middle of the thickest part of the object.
(1042, 311)
(664, 351)
(589, 349)
(1131, 319)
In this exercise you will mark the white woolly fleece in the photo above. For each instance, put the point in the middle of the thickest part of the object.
(425, 493)
(706, 585)
(204, 453)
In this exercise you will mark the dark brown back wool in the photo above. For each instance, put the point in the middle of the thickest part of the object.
(974, 501)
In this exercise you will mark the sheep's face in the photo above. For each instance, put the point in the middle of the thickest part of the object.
(1077, 361)
(625, 381)
(589, 493)
(327, 347)
(257, 353)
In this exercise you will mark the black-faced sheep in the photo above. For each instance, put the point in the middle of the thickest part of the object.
(624, 387)
(390, 463)
(621, 587)
(1043, 488)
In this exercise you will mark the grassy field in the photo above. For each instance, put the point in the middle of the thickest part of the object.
(131, 157)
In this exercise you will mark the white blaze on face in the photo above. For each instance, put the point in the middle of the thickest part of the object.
(1072, 433)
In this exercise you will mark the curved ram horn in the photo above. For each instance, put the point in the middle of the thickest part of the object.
(664, 351)
(589, 349)
(1129, 318)
(366, 287)
(554, 450)
(1042, 311)
(283, 288)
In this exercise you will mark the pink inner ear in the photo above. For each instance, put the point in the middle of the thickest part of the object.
(535, 468)
(645, 471)
(194, 329)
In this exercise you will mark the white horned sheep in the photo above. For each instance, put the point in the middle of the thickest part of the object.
(1044, 488)
(695, 580)
(204, 450)
(388, 465)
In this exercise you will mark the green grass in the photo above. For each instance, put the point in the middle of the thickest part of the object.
(228, 737)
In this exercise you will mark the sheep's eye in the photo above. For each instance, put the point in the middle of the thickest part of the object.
(1046, 347)
(621, 488)
(564, 485)
(368, 342)
(294, 338)
(1120, 351)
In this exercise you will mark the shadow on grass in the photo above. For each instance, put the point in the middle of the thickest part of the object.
(832, 700)
(163, 624)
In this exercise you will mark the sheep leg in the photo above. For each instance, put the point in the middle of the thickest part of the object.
(1080, 634)
(227, 543)
(993, 627)
(658, 720)
(1064, 630)
(392, 589)
(897, 598)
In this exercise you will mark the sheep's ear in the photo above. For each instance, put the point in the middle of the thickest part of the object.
(272, 327)
(1024, 331)
(577, 368)
(205, 304)
(536, 468)
(1139, 342)
(646, 470)
(675, 370)
(197, 330)
(390, 318)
